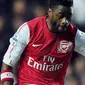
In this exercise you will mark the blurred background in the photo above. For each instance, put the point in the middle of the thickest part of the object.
(13, 13)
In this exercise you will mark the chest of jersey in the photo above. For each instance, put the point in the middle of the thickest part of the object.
(44, 42)
(48, 52)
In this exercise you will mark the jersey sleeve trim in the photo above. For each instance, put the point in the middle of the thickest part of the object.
(17, 45)
(80, 42)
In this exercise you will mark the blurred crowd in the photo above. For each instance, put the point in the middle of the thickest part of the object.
(13, 13)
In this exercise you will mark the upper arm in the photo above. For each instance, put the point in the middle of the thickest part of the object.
(17, 45)
(80, 42)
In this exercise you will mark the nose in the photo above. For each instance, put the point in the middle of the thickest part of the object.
(64, 21)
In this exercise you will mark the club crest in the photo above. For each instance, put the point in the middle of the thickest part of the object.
(65, 46)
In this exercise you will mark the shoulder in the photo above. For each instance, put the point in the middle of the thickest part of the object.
(32, 23)
(73, 29)
(23, 29)
(37, 19)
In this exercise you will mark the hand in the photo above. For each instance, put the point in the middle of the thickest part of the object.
(7, 83)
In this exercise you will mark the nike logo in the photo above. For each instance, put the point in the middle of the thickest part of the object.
(36, 45)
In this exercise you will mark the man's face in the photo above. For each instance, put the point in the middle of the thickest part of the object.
(60, 18)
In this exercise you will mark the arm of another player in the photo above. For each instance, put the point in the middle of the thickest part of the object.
(17, 45)
(80, 42)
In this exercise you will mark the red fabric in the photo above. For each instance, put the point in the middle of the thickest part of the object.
(45, 64)
(7, 79)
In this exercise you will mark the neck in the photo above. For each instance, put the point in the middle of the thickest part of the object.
(49, 24)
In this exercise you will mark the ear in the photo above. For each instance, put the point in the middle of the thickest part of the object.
(49, 11)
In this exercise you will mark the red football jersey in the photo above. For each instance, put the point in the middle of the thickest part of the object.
(47, 55)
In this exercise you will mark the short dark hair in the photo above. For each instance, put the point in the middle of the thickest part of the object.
(67, 3)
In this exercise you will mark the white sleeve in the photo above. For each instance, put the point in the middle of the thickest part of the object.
(17, 45)
(80, 42)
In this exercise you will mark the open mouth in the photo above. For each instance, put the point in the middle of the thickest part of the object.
(63, 27)
(56, 27)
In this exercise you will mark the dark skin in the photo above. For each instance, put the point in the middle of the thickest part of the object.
(58, 17)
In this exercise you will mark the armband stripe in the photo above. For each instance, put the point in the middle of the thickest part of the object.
(7, 79)
(5, 76)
